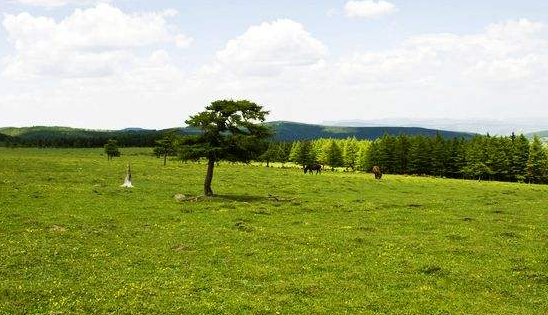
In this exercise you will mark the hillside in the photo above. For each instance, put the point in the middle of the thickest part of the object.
(290, 131)
(284, 131)
(542, 134)
(75, 137)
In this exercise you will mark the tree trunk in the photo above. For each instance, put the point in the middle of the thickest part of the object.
(165, 159)
(209, 177)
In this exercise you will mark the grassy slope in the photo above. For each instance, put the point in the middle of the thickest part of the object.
(72, 241)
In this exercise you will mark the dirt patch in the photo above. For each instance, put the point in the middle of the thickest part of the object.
(57, 229)
(431, 270)
(414, 205)
(456, 237)
(243, 226)
(509, 234)
(180, 248)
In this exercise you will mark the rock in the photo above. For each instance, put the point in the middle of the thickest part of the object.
(180, 197)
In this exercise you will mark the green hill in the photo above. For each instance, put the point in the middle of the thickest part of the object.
(290, 131)
(75, 137)
(542, 134)
(283, 131)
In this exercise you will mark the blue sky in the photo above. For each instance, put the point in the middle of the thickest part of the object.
(309, 61)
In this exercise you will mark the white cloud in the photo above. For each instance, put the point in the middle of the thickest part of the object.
(510, 51)
(368, 8)
(270, 48)
(183, 41)
(93, 42)
(434, 74)
(59, 3)
(501, 70)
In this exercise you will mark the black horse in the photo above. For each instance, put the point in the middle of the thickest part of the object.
(313, 167)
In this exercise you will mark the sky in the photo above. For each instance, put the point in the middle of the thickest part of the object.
(151, 64)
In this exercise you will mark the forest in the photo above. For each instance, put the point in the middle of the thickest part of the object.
(507, 158)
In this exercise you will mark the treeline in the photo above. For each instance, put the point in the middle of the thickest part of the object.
(85, 139)
(512, 158)
(66, 137)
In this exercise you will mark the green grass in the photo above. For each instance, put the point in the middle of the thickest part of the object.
(73, 242)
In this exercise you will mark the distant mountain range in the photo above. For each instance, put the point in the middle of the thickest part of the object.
(290, 131)
(481, 126)
(542, 134)
(283, 130)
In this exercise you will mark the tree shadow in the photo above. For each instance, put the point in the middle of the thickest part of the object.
(232, 198)
(242, 198)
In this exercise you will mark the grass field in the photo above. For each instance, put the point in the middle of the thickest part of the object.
(73, 242)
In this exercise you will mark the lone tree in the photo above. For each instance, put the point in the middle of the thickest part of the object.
(111, 149)
(166, 145)
(231, 130)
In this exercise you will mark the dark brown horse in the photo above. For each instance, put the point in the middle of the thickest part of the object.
(313, 167)
(377, 172)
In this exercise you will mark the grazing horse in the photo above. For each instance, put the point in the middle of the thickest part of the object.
(313, 167)
(377, 172)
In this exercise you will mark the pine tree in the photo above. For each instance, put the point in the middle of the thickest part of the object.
(295, 151)
(334, 156)
(537, 165)
(519, 158)
(350, 155)
(419, 156)
(282, 154)
(498, 160)
(363, 155)
(373, 156)
(387, 154)
(476, 158)
(456, 159)
(270, 154)
(322, 155)
(438, 156)
(301, 153)
(402, 148)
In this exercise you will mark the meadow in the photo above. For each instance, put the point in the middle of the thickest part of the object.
(272, 240)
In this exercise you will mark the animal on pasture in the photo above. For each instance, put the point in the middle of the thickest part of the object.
(377, 172)
(313, 167)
